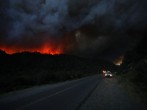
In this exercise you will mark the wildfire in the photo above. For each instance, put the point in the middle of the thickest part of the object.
(57, 46)
(45, 49)
(118, 61)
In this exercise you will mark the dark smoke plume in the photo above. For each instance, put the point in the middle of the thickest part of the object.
(98, 27)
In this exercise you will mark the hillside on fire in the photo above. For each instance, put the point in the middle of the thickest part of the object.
(21, 70)
(47, 41)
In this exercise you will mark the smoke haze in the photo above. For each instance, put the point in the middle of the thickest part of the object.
(92, 28)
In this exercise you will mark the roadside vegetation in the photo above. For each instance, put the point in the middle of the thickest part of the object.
(22, 70)
(133, 71)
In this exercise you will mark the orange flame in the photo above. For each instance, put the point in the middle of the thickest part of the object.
(45, 49)
(49, 46)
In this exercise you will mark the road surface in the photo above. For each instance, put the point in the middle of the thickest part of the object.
(64, 96)
(109, 95)
(90, 93)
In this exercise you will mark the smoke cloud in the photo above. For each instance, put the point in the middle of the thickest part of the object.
(93, 27)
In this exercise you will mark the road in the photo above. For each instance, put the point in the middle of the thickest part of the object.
(63, 96)
(90, 93)
(109, 95)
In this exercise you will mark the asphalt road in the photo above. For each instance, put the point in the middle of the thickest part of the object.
(63, 96)
(110, 95)
(90, 93)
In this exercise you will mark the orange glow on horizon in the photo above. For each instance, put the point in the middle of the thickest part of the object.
(119, 61)
(45, 49)
(47, 45)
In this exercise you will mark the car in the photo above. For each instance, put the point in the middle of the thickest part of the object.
(107, 74)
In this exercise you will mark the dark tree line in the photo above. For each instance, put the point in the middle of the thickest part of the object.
(25, 69)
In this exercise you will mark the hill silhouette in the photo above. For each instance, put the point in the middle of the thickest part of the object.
(25, 69)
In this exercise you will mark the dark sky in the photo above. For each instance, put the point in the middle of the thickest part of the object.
(92, 28)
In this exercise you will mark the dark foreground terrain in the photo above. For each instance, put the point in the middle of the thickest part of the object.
(22, 70)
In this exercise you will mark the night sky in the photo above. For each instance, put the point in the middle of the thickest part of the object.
(89, 28)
